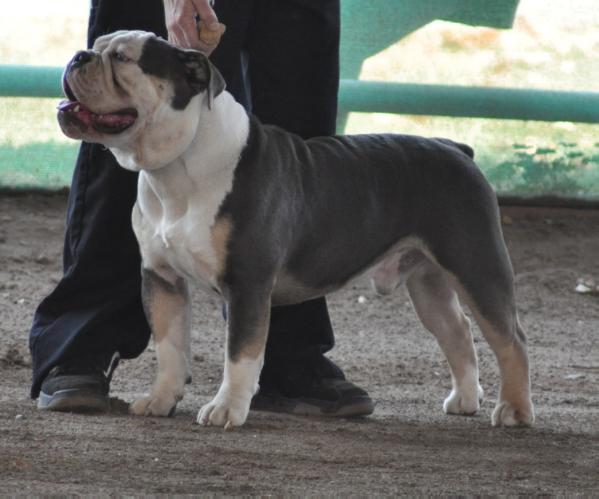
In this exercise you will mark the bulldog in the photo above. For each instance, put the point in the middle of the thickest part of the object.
(262, 218)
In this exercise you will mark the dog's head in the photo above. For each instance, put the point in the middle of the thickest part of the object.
(139, 96)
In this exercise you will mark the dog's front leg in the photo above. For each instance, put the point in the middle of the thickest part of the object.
(247, 330)
(166, 303)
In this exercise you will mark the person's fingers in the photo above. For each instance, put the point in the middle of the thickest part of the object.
(208, 27)
(206, 13)
(180, 23)
(183, 31)
(179, 37)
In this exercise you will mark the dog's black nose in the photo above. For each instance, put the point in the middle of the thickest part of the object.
(81, 58)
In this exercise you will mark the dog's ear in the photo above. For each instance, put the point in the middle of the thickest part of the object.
(202, 75)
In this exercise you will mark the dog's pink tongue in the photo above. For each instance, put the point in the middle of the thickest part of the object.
(120, 119)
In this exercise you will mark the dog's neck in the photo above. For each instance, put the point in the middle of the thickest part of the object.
(204, 172)
(221, 136)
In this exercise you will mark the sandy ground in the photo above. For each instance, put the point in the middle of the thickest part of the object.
(407, 447)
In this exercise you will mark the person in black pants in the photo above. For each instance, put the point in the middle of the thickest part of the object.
(280, 60)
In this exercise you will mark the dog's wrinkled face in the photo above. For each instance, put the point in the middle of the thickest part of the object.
(137, 95)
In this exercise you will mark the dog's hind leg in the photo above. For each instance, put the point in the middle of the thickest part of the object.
(504, 334)
(168, 311)
(483, 276)
(438, 307)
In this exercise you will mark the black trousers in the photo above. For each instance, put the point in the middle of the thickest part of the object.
(280, 60)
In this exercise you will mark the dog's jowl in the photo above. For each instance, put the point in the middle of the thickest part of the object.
(261, 217)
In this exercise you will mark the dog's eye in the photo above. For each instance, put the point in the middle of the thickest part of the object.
(119, 56)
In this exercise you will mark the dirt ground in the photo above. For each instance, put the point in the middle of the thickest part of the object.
(407, 447)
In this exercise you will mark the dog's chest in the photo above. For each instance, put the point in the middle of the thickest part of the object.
(186, 237)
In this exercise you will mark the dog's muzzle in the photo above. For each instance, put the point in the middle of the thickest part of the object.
(73, 112)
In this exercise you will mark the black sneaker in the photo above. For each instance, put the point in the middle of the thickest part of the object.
(79, 386)
(332, 397)
(309, 384)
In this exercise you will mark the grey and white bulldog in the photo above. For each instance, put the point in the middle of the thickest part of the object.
(262, 217)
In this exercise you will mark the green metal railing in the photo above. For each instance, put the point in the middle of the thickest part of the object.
(383, 97)
(30, 81)
(469, 102)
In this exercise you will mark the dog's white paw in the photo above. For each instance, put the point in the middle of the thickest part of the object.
(154, 405)
(227, 409)
(465, 402)
(505, 414)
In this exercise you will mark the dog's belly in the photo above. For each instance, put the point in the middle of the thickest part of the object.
(389, 270)
(289, 290)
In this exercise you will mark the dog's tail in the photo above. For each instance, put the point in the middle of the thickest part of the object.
(467, 150)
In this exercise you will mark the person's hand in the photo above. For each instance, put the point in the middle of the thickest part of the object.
(180, 17)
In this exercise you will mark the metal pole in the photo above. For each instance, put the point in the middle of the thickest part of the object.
(468, 102)
(30, 81)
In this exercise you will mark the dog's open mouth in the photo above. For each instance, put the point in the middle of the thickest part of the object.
(112, 123)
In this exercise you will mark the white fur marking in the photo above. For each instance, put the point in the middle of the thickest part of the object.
(231, 404)
(466, 395)
(169, 384)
